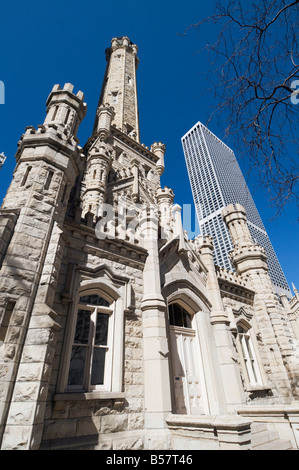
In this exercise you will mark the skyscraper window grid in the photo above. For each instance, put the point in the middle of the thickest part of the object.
(216, 181)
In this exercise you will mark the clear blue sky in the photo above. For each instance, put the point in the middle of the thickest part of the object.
(48, 42)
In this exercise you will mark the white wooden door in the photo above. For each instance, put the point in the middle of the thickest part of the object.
(189, 384)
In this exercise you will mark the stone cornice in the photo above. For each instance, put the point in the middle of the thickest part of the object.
(55, 140)
(113, 249)
(233, 286)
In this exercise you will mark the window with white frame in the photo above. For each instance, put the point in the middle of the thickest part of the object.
(91, 354)
(249, 356)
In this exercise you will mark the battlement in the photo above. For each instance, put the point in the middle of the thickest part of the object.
(158, 148)
(232, 276)
(251, 249)
(165, 192)
(65, 97)
(124, 41)
(203, 241)
(68, 90)
(233, 208)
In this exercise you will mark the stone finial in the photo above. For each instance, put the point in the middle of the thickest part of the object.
(178, 228)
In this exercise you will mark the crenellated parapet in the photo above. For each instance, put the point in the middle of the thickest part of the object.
(232, 277)
(65, 111)
(203, 242)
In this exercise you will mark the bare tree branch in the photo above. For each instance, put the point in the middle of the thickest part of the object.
(255, 58)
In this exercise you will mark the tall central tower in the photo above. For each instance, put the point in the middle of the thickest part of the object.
(119, 86)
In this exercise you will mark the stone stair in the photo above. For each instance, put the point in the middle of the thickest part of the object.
(265, 439)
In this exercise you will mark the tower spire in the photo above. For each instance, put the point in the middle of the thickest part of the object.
(119, 87)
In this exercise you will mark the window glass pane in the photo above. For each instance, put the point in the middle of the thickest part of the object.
(171, 315)
(186, 319)
(76, 373)
(94, 300)
(101, 329)
(98, 366)
(82, 327)
(241, 329)
(178, 316)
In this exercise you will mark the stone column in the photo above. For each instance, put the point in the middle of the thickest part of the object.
(157, 396)
(231, 379)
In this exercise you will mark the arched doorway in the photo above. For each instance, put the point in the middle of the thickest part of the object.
(187, 369)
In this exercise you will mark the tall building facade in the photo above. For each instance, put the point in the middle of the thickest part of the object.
(117, 332)
(216, 181)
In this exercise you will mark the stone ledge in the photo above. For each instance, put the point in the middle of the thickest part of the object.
(268, 410)
(225, 432)
(83, 396)
(208, 421)
(70, 443)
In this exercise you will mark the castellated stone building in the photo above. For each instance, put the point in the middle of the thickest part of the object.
(117, 331)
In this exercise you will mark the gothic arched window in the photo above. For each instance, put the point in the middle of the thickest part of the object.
(248, 354)
(91, 349)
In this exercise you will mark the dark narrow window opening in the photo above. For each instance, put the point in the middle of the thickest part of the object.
(64, 193)
(49, 179)
(24, 180)
(55, 113)
(67, 116)
(6, 319)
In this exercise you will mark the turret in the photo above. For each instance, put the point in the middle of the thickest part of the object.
(159, 150)
(32, 214)
(246, 254)
(95, 179)
(119, 86)
(49, 158)
(65, 109)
